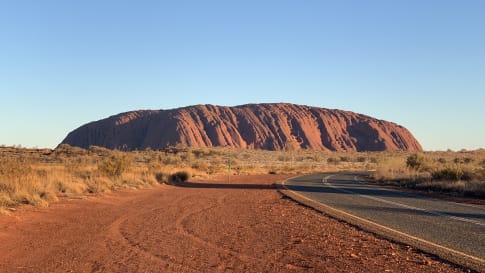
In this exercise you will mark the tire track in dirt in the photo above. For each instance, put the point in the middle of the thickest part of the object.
(209, 226)
(224, 253)
(116, 234)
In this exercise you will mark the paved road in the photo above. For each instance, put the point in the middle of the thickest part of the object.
(460, 227)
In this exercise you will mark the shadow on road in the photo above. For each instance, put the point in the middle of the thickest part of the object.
(350, 189)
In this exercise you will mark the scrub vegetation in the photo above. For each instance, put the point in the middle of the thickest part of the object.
(453, 173)
(38, 176)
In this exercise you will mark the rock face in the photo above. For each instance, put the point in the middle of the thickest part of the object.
(273, 126)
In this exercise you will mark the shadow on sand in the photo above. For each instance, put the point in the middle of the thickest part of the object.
(202, 185)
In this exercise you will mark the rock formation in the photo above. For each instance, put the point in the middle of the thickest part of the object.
(271, 126)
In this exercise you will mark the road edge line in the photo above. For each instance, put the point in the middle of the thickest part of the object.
(442, 252)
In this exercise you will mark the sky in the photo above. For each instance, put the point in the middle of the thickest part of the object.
(418, 63)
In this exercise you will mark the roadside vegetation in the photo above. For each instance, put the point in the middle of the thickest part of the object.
(38, 176)
(452, 173)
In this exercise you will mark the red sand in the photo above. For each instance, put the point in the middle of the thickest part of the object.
(244, 226)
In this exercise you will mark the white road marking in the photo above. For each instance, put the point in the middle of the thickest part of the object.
(456, 252)
(325, 181)
(454, 203)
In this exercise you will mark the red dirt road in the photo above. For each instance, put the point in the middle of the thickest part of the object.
(243, 226)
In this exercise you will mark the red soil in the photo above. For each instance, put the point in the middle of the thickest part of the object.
(241, 226)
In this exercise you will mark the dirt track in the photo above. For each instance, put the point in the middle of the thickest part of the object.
(244, 226)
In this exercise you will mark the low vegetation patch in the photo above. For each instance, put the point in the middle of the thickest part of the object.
(115, 165)
(38, 176)
(452, 173)
(180, 176)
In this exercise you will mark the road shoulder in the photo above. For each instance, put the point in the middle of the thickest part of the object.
(388, 233)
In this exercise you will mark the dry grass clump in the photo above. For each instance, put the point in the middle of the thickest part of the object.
(21, 184)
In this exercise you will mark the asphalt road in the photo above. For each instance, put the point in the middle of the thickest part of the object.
(455, 226)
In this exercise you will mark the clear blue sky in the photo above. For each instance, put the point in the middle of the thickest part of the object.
(418, 63)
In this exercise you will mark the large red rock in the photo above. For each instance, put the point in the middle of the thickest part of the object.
(256, 126)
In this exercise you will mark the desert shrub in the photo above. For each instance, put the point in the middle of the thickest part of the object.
(172, 160)
(180, 176)
(216, 165)
(200, 152)
(361, 159)
(447, 174)
(153, 167)
(416, 162)
(28, 198)
(187, 156)
(468, 160)
(200, 165)
(287, 169)
(5, 200)
(114, 166)
(451, 174)
(442, 160)
(344, 158)
(333, 160)
(458, 160)
(161, 177)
